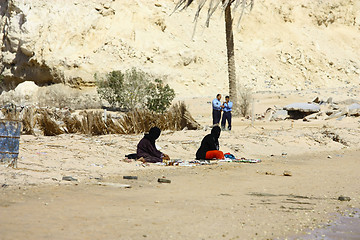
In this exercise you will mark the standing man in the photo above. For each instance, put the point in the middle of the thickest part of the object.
(217, 107)
(227, 113)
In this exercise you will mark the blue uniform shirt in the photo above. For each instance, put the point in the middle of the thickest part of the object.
(228, 106)
(216, 104)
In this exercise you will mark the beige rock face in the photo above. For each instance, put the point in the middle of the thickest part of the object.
(281, 44)
(56, 95)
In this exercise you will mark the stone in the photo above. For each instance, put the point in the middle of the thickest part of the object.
(26, 49)
(301, 110)
(354, 106)
(354, 109)
(280, 115)
(164, 180)
(27, 90)
(303, 107)
(287, 173)
(316, 100)
(338, 113)
(118, 185)
(344, 198)
(130, 177)
(187, 57)
(69, 178)
(311, 116)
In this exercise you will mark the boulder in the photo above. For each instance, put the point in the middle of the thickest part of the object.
(280, 115)
(354, 109)
(301, 110)
(303, 107)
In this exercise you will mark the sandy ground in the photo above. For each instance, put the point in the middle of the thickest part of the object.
(220, 201)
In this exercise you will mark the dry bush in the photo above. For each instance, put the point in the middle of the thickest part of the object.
(93, 123)
(47, 125)
(10, 112)
(28, 122)
(73, 124)
(114, 127)
(54, 122)
(245, 100)
(176, 118)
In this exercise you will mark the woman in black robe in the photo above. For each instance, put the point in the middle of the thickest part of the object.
(146, 147)
(209, 148)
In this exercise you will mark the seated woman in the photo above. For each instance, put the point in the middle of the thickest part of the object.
(209, 148)
(146, 147)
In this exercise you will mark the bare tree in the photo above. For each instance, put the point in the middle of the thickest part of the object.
(230, 7)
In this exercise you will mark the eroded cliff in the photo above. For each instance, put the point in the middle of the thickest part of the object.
(280, 45)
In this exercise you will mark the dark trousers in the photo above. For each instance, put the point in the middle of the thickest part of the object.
(226, 116)
(216, 116)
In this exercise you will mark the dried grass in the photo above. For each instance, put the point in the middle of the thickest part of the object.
(28, 122)
(73, 124)
(48, 125)
(53, 122)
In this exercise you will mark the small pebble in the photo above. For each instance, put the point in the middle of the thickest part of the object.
(287, 173)
(343, 198)
(68, 178)
(164, 180)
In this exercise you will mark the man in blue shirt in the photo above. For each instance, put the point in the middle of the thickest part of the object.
(227, 113)
(217, 108)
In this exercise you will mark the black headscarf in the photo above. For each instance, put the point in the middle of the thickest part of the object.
(215, 132)
(209, 143)
(153, 134)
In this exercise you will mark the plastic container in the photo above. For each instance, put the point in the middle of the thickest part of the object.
(9, 142)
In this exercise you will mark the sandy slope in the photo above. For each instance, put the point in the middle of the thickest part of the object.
(280, 45)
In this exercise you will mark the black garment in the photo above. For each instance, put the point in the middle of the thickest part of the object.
(226, 116)
(132, 156)
(146, 147)
(210, 142)
(153, 134)
(216, 114)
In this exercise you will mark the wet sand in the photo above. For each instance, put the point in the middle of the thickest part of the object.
(346, 226)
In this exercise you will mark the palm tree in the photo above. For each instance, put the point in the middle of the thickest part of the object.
(228, 6)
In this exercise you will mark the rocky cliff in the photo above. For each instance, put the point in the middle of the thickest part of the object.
(281, 44)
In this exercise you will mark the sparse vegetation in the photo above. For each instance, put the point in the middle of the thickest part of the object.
(51, 122)
(245, 98)
(159, 96)
(134, 89)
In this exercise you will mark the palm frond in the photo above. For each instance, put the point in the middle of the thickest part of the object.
(237, 6)
(211, 11)
(197, 14)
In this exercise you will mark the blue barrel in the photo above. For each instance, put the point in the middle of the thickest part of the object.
(9, 141)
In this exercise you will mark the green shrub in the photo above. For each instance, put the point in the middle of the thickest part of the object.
(111, 87)
(134, 89)
(160, 96)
